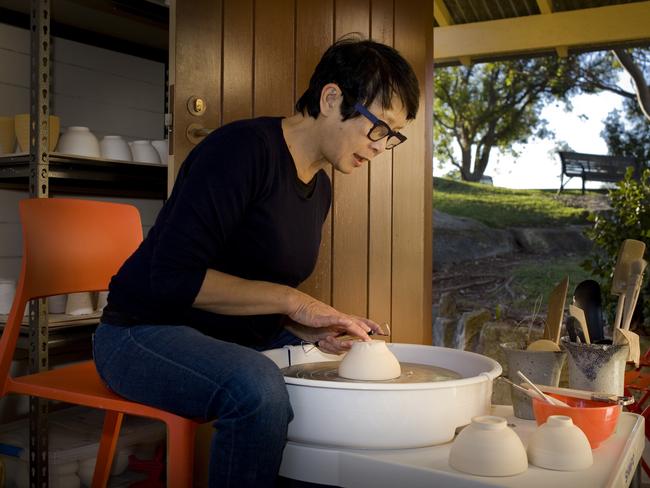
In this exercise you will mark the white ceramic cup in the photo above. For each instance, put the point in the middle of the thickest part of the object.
(56, 303)
(114, 147)
(7, 294)
(369, 361)
(79, 141)
(144, 152)
(162, 147)
(79, 304)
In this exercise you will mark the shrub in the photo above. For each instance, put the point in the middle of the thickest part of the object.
(629, 219)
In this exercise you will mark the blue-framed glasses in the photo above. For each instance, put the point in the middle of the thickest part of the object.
(380, 129)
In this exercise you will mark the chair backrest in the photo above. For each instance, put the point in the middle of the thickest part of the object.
(69, 246)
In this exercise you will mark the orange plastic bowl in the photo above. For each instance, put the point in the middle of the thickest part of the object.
(596, 419)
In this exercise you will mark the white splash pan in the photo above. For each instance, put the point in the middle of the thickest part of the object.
(387, 415)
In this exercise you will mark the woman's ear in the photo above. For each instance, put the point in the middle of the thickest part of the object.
(330, 100)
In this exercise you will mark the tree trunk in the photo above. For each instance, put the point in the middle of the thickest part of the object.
(466, 163)
(480, 163)
(640, 83)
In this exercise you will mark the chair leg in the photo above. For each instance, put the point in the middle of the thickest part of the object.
(110, 435)
(180, 454)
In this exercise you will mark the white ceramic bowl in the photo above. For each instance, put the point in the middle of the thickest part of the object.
(560, 445)
(369, 361)
(79, 304)
(102, 300)
(7, 294)
(79, 141)
(488, 447)
(56, 303)
(144, 152)
(114, 147)
(162, 146)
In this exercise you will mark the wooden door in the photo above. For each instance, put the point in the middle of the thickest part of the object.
(247, 58)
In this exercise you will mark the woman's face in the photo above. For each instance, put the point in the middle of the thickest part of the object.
(345, 144)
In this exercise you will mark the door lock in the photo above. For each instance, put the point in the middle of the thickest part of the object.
(196, 105)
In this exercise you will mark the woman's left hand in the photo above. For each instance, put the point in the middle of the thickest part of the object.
(332, 339)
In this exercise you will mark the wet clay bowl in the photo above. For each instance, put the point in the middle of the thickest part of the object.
(596, 419)
(369, 361)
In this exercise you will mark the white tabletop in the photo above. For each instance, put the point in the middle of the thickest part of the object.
(614, 463)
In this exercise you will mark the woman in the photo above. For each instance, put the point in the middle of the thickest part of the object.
(215, 279)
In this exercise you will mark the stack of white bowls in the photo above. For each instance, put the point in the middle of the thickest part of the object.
(141, 151)
(80, 141)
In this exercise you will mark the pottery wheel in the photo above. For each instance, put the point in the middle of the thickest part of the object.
(411, 373)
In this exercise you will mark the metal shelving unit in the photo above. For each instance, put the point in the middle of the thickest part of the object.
(43, 173)
(82, 175)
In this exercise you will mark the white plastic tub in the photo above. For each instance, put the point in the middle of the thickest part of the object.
(388, 415)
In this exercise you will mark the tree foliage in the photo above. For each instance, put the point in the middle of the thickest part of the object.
(497, 105)
(627, 132)
(629, 219)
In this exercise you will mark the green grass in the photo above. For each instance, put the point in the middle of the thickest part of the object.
(532, 281)
(502, 207)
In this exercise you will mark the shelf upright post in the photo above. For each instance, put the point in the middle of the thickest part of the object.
(39, 162)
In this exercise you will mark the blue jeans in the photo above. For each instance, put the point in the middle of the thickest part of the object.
(183, 371)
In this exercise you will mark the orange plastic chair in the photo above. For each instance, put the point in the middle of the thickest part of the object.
(72, 246)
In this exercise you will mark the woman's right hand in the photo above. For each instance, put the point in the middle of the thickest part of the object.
(306, 310)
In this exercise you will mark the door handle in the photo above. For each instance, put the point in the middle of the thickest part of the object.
(196, 132)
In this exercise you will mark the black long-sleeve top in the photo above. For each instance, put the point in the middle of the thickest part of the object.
(239, 207)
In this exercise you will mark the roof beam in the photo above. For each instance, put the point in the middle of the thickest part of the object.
(538, 33)
(545, 6)
(441, 14)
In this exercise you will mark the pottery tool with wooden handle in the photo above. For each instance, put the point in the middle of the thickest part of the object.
(532, 393)
(586, 395)
(579, 314)
(637, 267)
(556, 302)
(624, 335)
(631, 250)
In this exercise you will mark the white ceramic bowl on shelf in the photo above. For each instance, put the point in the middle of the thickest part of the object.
(162, 146)
(144, 152)
(114, 147)
(102, 300)
(56, 303)
(369, 361)
(488, 447)
(7, 294)
(80, 142)
(560, 445)
(79, 304)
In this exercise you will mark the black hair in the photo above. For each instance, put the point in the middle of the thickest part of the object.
(365, 71)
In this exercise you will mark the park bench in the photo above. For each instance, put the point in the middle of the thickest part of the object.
(596, 167)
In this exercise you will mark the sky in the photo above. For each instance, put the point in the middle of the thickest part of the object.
(537, 165)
